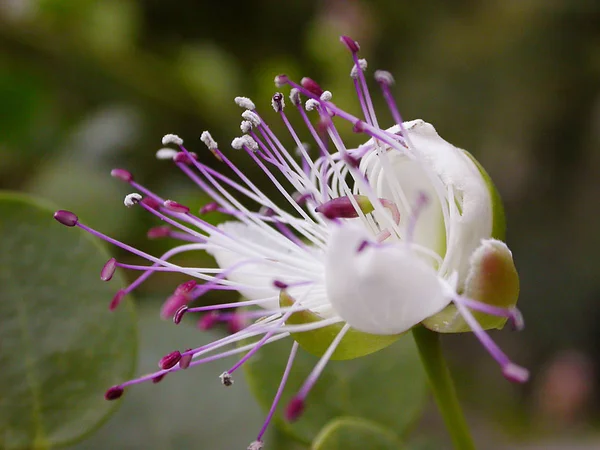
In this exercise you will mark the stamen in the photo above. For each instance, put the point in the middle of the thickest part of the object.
(166, 153)
(170, 360)
(245, 102)
(226, 379)
(172, 139)
(67, 218)
(173, 206)
(114, 393)
(116, 300)
(312, 86)
(108, 270)
(251, 117)
(295, 97)
(277, 102)
(350, 43)
(132, 199)
(159, 232)
(122, 174)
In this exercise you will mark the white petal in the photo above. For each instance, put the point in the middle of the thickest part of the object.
(380, 290)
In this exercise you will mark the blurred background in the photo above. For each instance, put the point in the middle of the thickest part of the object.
(88, 85)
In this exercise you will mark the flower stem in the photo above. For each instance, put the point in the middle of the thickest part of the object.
(442, 386)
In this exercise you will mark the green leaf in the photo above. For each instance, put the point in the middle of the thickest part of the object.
(349, 433)
(61, 347)
(387, 387)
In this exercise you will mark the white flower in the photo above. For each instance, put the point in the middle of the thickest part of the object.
(369, 240)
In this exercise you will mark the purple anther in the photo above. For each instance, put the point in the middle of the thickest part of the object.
(186, 359)
(150, 203)
(235, 324)
(281, 80)
(358, 126)
(515, 373)
(186, 287)
(67, 218)
(350, 43)
(179, 314)
(158, 378)
(338, 208)
(169, 361)
(159, 232)
(114, 393)
(185, 158)
(116, 300)
(311, 85)
(280, 284)
(208, 320)
(173, 206)
(294, 409)
(173, 304)
(122, 174)
(108, 270)
(209, 207)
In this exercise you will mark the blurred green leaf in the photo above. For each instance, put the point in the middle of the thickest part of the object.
(61, 347)
(349, 433)
(387, 387)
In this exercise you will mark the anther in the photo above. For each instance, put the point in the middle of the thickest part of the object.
(384, 77)
(295, 97)
(208, 320)
(280, 284)
(226, 379)
(158, 378)
(516, 320)
(169, 361)
(186, 359)
(122, 174)
(358, 126)
(311, 85)
(172, 305)
(108, 270)
(343, 207)
(165, 153)
(208, 140)
(132, 199)
(172, 205)
(235, 323)
(281, 80)
(311, 104)
(114, 393)
(301, 199)
(362, 65)
(185, 157)
(514, 373)
(244, 102)
(172, 139)
(150, 203)
(159, 232)
(209, 207)
(248, 142)
(256, 445)
(294, 409)
(326, 96)
(179, 314)
(186, 287)
(277, 102)
(251, 117)
(246, 126)
(116, 300)
(350, 43)
(67, 218)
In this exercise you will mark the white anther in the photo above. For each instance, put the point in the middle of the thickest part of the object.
(306, 147)
(277, 102)
(208, 140)
(250, 142)
(244, 102)
(256, 445)
(326, 96)
(132, 199)
(166, 153)
(246, 126)
(295, 96)
(383, 76)
(237, 143)
(226, 379)
(279, 81)
(311, 104)
(362, 63)
(251, 117)
(171, 139)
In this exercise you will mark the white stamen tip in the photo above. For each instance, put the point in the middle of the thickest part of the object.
(256, 445)
(311, 104)
(279, 81)
(246, 126)
(362, 63)
(515, 373)
(132, 199)
(226, 379)
(383, 76)
(208, 140)
(277, 102)
(295, 96)
(305, 146)
(166, 153)
(326, 96)
(251, 117)
(244, 141)
(172, 139)
(244, 102)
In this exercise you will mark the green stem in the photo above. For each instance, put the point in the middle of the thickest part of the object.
(442, 386)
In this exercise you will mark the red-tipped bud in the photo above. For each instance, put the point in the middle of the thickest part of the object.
(350, 43)
(172, 205)
(67, 218)
(114, 393)
(186, 287)
(311, 85)
(116, 301)
(108, 270)
(172, 305)
(159, 232)
(342, 207)
(185, 158)
(122, 174)
(208, 320)
(209, 207)
(186, 359)
(150, 203)
(179, 314)
(294, 409)
(158, 378)
(169, 361)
